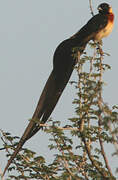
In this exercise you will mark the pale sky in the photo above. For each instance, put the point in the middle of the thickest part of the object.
(30, 31)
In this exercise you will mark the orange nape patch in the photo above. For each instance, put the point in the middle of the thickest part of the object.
(111, 17)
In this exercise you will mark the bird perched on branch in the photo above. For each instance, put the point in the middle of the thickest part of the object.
(98, 27)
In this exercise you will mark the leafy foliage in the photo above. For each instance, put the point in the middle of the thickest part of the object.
(79, 147)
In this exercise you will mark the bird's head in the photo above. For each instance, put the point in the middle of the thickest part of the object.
(104, 8)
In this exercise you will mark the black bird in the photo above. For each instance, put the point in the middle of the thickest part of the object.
(98, 27)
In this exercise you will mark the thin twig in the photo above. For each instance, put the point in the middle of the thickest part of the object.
(115, 142)
(80, 167)
(100, 120)
(60, 128)
(91, 9)
(79, 70)
(113, 136)
(1, 173)
(65, 161)
(7, 150)
(101, 171)
(91, 62)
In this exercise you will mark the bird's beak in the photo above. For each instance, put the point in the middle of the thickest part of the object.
(99, 8)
